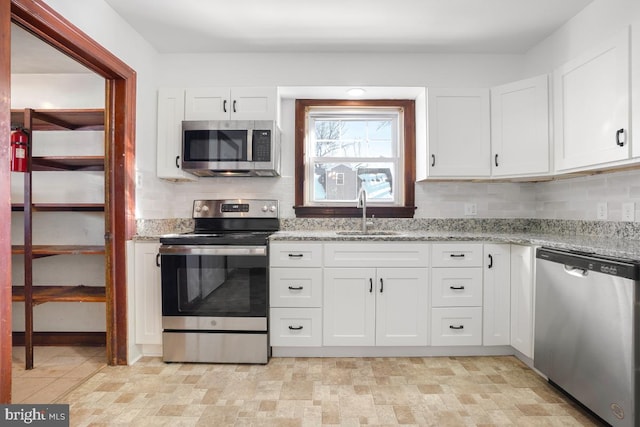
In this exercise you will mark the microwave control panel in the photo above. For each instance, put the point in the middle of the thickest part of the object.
(261, 146)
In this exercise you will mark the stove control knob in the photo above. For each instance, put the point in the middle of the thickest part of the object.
(272, 208)
(198, 209)
(205, 208)
(265, 208)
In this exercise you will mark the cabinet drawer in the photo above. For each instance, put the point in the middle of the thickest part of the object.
(403, 254)
(295, 254)
(456, 287)
(291, 327)
(456, 255)
(456, 326)
(295, 287)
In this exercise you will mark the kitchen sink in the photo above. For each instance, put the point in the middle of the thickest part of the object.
(367, 233)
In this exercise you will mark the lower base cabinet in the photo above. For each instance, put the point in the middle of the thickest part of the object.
(296, 327)
(375, 306)
(454, 326)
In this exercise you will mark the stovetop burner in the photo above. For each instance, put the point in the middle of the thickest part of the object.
(229, 222)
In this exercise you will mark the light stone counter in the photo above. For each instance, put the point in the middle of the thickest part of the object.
(616, 247)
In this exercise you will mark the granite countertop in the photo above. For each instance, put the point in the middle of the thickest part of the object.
(608, 246)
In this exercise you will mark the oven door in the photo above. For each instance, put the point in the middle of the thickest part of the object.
(214, 287)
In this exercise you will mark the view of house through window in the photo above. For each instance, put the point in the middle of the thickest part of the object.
(352, 148)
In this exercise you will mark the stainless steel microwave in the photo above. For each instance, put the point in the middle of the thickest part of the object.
(231, 148)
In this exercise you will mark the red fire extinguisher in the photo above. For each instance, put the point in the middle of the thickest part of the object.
(19, 147)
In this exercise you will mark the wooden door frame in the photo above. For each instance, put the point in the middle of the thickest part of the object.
(120, 104)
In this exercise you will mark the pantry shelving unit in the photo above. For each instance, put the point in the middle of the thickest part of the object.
(33, 294)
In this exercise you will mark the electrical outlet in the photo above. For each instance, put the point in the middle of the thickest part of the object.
(629, 211)
(601, 212)
(470, 209)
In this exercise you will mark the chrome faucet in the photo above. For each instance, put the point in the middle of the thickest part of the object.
(362, 203)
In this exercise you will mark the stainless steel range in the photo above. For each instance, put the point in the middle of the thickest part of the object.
(215, 284)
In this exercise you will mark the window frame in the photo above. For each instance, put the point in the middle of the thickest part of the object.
(407, 210)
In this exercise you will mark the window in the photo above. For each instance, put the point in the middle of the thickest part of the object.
(342, 146)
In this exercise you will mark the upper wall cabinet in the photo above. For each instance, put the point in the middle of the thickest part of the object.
(520, 128)
(591, 100)
(459, 133)
(169, 146)
(241, 103)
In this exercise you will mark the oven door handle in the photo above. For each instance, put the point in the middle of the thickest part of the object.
(213, 250)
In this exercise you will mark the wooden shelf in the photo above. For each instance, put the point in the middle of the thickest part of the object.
(79, 293)
(85, 119)
(68, 163)
(60, 207)
(40, 251)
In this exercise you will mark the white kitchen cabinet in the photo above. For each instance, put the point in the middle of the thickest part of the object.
(147, 294)
(497, 295)
(591, 106)
(454, 326)
(520, 128)
(459, 136)
(237, 103)
(375, 306)
(522, 298)
(295, 327)
(635, 86)
(169, 138)
(456, 275)
(295, 294)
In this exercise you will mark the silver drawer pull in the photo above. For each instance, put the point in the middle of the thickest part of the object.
(456, 327)
(295, 328)
(456, 255)
(457, 288)
(296, 288)
(296, 255)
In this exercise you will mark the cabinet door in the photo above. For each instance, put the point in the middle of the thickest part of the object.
(210, 103)
(169, 143)
(148, 300)
(348, 316)
(459, 133)
(401, 306)
(522, 284)
(497, 299)
(254, 103)
(520, 128)
(591, 96)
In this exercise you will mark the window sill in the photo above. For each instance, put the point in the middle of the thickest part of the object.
(353, 212)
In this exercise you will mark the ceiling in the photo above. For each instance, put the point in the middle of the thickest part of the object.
(207, 26)
(451, 26)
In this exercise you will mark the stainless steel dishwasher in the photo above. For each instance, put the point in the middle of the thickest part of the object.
(587, 331)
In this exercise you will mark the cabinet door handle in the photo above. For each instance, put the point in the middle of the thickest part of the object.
(456, 255)
(456, 327)
(381, 285)
(234, 106)
(295, 328)
(370, 285)
(620, 141)
(224, 106)
(457, 288)
(296, 255)
(433, 160)
(496, 160)
(490, 261)
(157, 260)
(296, 288)
(178, 162)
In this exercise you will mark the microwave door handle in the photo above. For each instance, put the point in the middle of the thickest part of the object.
(250, 145)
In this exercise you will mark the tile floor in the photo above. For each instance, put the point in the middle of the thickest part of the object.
(57, 370)
(433, 391)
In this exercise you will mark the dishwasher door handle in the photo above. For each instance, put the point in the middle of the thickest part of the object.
(575, 271)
